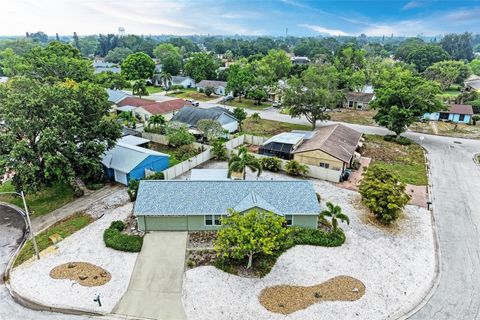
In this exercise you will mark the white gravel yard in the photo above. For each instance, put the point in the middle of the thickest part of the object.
(397, 269)
(32, 280)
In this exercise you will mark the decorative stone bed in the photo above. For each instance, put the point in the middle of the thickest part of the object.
(84, 273)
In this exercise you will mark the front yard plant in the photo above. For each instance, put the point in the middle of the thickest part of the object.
(295, 168)
(335, 213)
(271, 163)
(383, 193)
(115, 239)
(240, 162)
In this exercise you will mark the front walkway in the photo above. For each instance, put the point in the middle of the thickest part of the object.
(155, 289)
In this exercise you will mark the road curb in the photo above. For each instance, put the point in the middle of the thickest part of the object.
(436, 279)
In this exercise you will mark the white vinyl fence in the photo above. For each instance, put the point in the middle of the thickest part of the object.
(182, 167)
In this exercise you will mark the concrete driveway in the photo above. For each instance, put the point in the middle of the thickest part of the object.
(155, 289)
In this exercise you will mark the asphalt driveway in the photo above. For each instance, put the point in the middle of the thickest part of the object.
(155, 289)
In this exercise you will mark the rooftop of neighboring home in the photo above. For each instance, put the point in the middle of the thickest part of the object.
(132, 140)
(180, 79)
(459, 109)
(211, 83)
(286, 137)
(134, 101)
(191, 115)
(154, 107)
(124, 157)
(116, 96)
(102, 66)
(337, 140)
(126, 108)
(300, 59)
(473, 81)
(359, 96)
(187, 197)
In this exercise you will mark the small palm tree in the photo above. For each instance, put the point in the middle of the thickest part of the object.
(156, 121)
(239, 163)
(139, 88)
(335, 212)
(166, 80)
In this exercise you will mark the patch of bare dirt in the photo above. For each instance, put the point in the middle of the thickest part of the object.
(286, 299)
(86, 274)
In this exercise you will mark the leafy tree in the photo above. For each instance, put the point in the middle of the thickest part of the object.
(129, 119)
(106, 43)
(350, 63)
(239, 79)
(112, 80)
(383, 193)
(242, 160)
(255, 116)
(138, 66)
(407, 46)
(208, 91)
(446, 72)
(19, 46)
(39, 36)
(274, 66)
(295, 168)
(426, 55)
(139, 88)
(54, 132)
(211, 129)
(248, 234)
(401, 97)
(201, 66)
(219, 150)
(313, 94)
(335, 212)
(240, 115)
(87, 45)
(170, 57)
(459, 46)
(178, 135)
(117, 55)
(165, 79)
(475, 66)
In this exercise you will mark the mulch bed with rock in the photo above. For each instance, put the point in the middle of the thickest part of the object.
(86, 274)
(286, 299)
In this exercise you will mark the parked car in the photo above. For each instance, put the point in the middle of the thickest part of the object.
(276, 104)
(193, 102)
(227, 98)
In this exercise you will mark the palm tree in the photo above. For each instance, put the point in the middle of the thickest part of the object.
(239, 163)
(139, 88)
(166, 79)
(156, 121)
(335, 212)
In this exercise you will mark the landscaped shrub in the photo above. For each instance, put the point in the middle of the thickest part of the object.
(475, 105)
(178, 135)
(219, 150)
(271, 164)
(186, 152)
(133, 189)
(295, 168)
(475, 119)
(115, 239)
(400, 140)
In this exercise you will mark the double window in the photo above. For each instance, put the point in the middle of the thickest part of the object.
(324, 165)
(213, 220)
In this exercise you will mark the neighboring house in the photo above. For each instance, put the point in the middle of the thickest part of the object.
(358, 100)
(185, 82)
(199, 205)
(191, 115)
(458, 113)
(130, 132)
(144, 108)
(115, 96)
(472, 83)
(101, 66)
(282, 145)
(331, 147)
(125, 162)
(300, 60)
(219, 87)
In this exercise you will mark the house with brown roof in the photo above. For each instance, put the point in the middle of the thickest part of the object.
(331, 147)
(144, 108)
(457, 113)
(358, 100)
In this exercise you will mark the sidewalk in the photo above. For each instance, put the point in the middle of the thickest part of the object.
(82, 203)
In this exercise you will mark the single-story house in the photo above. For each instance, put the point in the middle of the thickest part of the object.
(281, 145)
(191, 115)
(219, 87)
(300, 60)
(115, 96)
(3, 79)
(125, 162)
(331, 147)
(144, 108)
(102, 66)
(185, 82)
(199, 205)
(458, 113)
(357, 100)
(472, 83)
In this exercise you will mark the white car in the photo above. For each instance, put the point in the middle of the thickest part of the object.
(193, 102)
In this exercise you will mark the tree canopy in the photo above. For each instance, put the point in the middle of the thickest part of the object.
(170, 58)
(201, 66)
(117, 55)
(447, 73)
(138, 66)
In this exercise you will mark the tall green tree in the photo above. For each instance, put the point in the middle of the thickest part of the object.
(117, 55)
(241, 161)
(459, 46)
(426, 55)
(313, 93)
(201, 66)
(112, 80)
(239, 79)
(401, 97)
(240, 115)
(274, 66)
(249, 234)
(335, 213)
(139, 88)
(446, 73)
(138, 66)
(170, 58)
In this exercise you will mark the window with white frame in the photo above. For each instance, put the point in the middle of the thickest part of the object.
(213, 220)
(289, 219)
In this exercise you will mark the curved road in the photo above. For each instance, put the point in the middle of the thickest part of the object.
(455, 180)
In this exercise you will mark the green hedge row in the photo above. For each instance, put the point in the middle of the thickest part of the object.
(115, 239)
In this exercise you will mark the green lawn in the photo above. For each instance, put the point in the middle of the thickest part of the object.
(268, 128)
(191, 93)
(64, 228)
(152, 89)
(248, 104)
(42, 202)
(407, 162)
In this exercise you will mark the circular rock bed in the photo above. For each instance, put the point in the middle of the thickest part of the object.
(287, 299)
(86, 274)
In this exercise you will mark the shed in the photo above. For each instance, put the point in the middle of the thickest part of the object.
(125, 162)
(133, 140)
(199, 205)
(282, 145)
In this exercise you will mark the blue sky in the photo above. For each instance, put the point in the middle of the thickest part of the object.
(245, 17)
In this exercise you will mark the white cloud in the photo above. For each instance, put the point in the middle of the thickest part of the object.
(325, 31)
(413, 5)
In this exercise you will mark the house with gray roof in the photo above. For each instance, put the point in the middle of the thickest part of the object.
(185, 82)
(199, 205)
(127, 162)
(192, 115)
(219, 87)
(115, 96)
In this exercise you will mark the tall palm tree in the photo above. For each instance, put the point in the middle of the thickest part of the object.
(243, 160)
(166, 79)
(156, 121)
(335, 212)
(139, 88)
